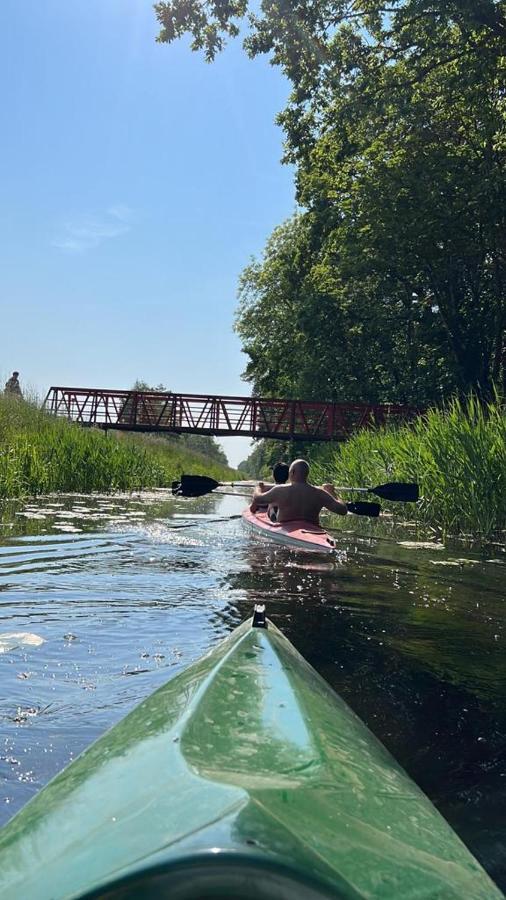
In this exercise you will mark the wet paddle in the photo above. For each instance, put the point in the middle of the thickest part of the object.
(404, 492)
(364, 509)
(194, 486)
(199, 485)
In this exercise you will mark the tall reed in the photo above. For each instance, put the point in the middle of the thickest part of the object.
(457, 454)
(40, 454)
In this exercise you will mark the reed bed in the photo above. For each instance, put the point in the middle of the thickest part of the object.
(40, 454)
(456, 454)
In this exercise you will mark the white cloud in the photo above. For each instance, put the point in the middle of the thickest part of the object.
(83, 234)
(121, 212)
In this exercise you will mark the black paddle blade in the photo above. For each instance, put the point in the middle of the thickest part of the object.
(194, 486)
(397, 490)
(364, 509)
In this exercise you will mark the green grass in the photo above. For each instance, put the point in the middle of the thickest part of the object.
(458, 456)
(40, 454)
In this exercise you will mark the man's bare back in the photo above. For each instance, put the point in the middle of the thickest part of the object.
(298, 499)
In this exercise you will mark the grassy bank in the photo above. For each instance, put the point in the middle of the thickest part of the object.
(457, 455)
(40, 454)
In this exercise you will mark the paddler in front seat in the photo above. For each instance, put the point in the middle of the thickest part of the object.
(280, 471)
(298, 500)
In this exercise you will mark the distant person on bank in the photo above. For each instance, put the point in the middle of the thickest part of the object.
(298, 499)
(13, 387)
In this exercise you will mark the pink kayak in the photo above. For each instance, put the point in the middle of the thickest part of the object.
(298, 533)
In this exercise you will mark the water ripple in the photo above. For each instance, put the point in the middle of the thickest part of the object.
(413, 639)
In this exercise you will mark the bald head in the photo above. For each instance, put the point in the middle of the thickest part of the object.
(299, 471)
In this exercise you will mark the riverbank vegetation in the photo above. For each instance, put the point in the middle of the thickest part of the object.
(456, 454)
(40, 454)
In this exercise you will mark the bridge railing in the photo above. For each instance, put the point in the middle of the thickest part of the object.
(221, 416)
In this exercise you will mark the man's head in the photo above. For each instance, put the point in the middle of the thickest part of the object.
(280, 472)
(299, 471)
(15, 374)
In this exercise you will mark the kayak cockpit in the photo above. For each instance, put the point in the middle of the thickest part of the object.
(218, 875)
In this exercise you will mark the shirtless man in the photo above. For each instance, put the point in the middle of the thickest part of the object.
(298, 499)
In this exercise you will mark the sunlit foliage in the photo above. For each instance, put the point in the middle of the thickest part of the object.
(40, 454)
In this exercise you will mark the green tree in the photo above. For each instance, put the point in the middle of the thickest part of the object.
(140, 385)
(264, 456)
(409, 183)
(312, 332)
(396, 124)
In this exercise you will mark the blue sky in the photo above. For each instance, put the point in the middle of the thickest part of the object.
(137, 181)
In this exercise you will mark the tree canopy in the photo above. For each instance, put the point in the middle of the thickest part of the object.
(390, 285)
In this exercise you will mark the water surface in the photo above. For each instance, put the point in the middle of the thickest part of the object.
(413, 638)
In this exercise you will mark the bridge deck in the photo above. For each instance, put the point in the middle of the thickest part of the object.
(152, 411)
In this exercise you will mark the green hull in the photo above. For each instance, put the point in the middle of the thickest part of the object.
(248, 772)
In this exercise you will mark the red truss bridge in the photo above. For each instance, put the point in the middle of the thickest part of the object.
(153, 411)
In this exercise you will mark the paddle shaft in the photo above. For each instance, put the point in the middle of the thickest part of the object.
(253, 484)
(208, 522)
(235, 494)
(198, 485)
(232, 494)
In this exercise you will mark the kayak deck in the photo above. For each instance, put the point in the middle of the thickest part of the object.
(245, 775)
(297, 533)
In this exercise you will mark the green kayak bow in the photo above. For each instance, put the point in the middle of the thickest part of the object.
(244, 776)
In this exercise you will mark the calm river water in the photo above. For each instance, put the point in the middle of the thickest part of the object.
(414, 638)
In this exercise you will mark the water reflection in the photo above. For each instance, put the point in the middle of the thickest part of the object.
(412, 638)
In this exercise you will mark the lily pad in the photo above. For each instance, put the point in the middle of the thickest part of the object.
(421, 545)
(70, 529)
(10, 640)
